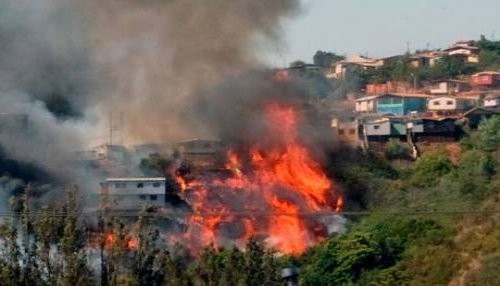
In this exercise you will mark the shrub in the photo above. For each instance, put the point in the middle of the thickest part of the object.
(429, 168)
(395, 149)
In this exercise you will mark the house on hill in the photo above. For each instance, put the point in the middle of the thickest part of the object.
(366, 104)
(345, 127)
(474, 116)
(397, 104)
(425, 59)
(465, 51)
(202, 154)
(449, 105)
(401, 104)
(442, 129)
(492, 100)
(486, 79)
(339, 69)
(450, 86)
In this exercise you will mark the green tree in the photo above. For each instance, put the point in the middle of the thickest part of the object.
(74, 260)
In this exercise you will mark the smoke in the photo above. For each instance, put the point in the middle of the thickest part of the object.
(46, 87)
(158, 56)
(66, 64)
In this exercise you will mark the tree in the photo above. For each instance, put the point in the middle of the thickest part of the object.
(326, 59)
(147, 255)
(75, 270)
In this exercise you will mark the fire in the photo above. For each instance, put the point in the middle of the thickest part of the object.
(274, 191)
(129, 242)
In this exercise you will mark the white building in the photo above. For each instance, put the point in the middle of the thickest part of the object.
(492, 100)
(449, 103)
(366, 104)
(133, 193)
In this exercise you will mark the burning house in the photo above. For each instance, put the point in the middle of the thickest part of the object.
(202, 154)
(271, 186)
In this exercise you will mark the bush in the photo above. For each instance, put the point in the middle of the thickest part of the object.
(395, 149)
(429, 168)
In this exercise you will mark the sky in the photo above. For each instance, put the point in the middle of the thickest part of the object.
(380, 28)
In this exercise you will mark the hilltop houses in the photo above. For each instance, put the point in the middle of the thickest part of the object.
(485, 79)
(339, 69)
(465, 51)
(392, 103)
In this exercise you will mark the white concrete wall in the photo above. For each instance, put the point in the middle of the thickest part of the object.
(442, 103)
(492, 102)
(365, 106)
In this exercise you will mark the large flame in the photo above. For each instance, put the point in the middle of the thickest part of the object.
(274, 192)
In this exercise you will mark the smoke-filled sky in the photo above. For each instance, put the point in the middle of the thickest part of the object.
(383, 28)
(68, 64)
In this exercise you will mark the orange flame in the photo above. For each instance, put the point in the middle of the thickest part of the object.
(270, 194)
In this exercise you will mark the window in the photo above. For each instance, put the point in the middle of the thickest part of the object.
(435, 103)
(341, 131)
(449, 102)
(142, 197)
(153, 197)
(376, 127)
(156, 184)
(352, 131)
(140, 185)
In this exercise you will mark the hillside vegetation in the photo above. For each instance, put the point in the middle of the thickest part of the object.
(434, 222)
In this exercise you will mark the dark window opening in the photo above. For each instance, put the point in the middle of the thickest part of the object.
(153, 197)
(352, 131)
(376, 127)
(142, 197)
(140, 185)
(341, 131)
(156, 184)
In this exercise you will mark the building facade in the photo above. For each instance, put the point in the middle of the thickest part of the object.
(133, 193)
(400, 105)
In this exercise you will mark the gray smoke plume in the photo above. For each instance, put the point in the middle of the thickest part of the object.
(158, 55)
(46, 86)
(67, 64)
